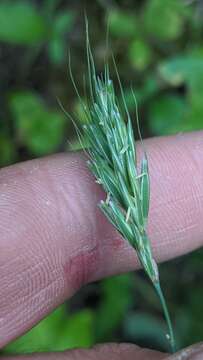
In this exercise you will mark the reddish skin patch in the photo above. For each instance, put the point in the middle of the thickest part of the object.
(82, 268)
(117, 243)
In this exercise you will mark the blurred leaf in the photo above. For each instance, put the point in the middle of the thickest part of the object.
(44, 134)
(179, 69)
(56, 332)
(196, 89)
(43, 336)
(116, 300)
(38, 128)
(63, 22)
(164, 19)
(187, 70)
(78, 332)
(57, 51)
(195, 314)
(195, 96)
(57, 46)
(183, 324)
(195, 121)
(50, 6)
(142, 326)
(195, 261)
(142, 94)
(80, 114)
(146, 291)
(195, 51)
(20, 23)
(7, 150)
(140, 54)
(76, 145)
(122, 24)
(167, 114)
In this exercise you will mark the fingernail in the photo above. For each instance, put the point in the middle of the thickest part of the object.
(194, 352)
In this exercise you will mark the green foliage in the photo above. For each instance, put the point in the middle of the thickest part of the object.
(140, 54)
(142, 326)
(57, 46)
(122, 24)
(111, 309)
(38, 128)
(164, 19)
(186, 112)
(167, 114)
(182, 69)
(7, 150)
(20, 23)
(81, 116)
(56, 332)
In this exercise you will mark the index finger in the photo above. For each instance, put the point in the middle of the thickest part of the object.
(53, 238)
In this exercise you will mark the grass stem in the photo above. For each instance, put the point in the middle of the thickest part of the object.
(170, 336)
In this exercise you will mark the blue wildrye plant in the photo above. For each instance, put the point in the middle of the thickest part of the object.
(113, 161)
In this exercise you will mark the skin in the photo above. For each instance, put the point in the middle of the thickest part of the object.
(54, 239)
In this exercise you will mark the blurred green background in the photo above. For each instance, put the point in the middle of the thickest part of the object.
(158, 48)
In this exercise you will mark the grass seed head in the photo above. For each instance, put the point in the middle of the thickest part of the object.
(113, 161)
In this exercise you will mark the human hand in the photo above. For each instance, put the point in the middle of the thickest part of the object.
(54, 239)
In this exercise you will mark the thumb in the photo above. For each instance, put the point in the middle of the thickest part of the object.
(98, 352)
(194, 352)
(116, 352)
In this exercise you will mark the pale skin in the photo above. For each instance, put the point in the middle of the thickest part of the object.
(54, 239)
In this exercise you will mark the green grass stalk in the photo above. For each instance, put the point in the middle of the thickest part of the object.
(113, 161)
